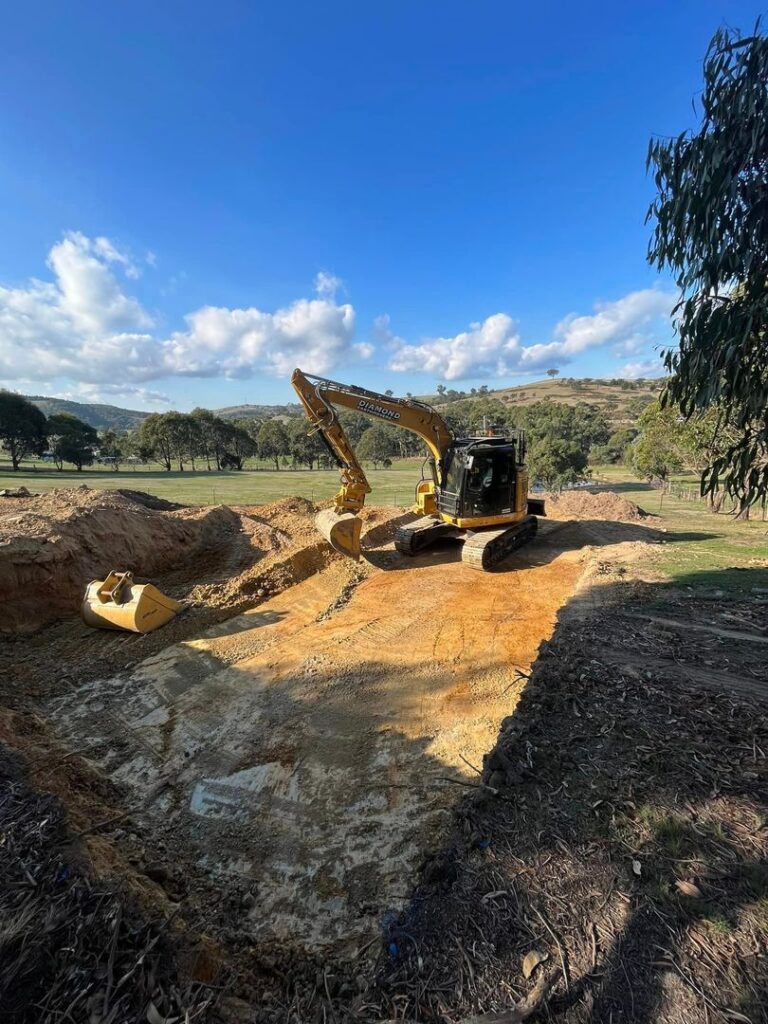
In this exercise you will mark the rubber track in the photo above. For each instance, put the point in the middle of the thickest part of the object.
(416, 536)
(484, 550)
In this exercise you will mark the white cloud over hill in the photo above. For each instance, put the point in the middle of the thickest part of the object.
(84, 326)
(493, 348)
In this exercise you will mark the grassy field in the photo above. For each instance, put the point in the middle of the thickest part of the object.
(393, 486)
(704, 549)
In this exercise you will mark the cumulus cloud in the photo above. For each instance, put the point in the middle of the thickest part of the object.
(642, 368)
(487, 349)
(82, 325)
(85, 326)
(493, 348)
(313, 333)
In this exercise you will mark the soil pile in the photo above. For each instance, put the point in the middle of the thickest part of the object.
(218, 561)
(590, 505)
(52, 545)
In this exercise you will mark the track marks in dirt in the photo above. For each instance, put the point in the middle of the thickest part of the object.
(372, 707)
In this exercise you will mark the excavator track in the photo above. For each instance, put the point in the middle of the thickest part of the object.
(416, 536)
(485, 549)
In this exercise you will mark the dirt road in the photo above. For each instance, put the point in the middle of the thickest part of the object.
(304, 755)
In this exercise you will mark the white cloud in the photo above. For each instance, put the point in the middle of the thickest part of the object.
(642, 368)
(86, 290)
(494, 349)
(84, 326)
(326, 285)
(111, 393)
(487, 349)
(314, 333)
(614, 321)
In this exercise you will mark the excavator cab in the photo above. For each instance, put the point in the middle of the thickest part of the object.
(481, 478)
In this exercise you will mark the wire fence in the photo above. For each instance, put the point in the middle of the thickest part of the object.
(720, 503)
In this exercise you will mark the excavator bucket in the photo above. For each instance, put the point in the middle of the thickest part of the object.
(341, 530)
(119, 603)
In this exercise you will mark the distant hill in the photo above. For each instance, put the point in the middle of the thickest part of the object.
(620, 400)
(112, 417)
(239, 412)
(103, 417)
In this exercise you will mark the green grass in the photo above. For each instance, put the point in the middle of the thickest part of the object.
(704, 550)
(393, 486)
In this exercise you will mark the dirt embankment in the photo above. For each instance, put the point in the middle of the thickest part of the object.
(595, 505)
(52, 545)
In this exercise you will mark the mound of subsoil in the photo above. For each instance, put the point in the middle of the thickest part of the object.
(52, 545)
(594, 505)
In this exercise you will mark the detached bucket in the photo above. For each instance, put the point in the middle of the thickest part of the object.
(119, 603)
(341, 530)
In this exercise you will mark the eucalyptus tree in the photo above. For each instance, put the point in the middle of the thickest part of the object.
(711, 230)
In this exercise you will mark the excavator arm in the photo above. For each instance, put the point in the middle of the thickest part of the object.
(320, 397)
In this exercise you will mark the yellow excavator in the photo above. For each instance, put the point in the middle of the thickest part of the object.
(476, 491)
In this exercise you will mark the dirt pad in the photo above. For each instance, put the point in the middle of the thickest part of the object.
(594, 505)
(305, 754)
(285, 773)
(625, 846)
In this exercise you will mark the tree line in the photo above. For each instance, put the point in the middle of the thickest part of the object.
(562, 440)
(560, 437)
(179, 440)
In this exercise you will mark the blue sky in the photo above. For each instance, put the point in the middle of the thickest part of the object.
(196, 197)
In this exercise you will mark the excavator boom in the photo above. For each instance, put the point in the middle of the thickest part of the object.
(320, 397)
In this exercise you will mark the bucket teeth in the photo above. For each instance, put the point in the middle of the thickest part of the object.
(341, 530)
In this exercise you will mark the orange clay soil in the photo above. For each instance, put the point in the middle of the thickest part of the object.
(288, 750)
(305, 754)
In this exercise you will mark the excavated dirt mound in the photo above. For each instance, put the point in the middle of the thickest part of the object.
(52, 545)
(590, 505)
(235, 559)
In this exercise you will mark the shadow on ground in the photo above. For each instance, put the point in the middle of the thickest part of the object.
(624, 835)
(553, 538)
